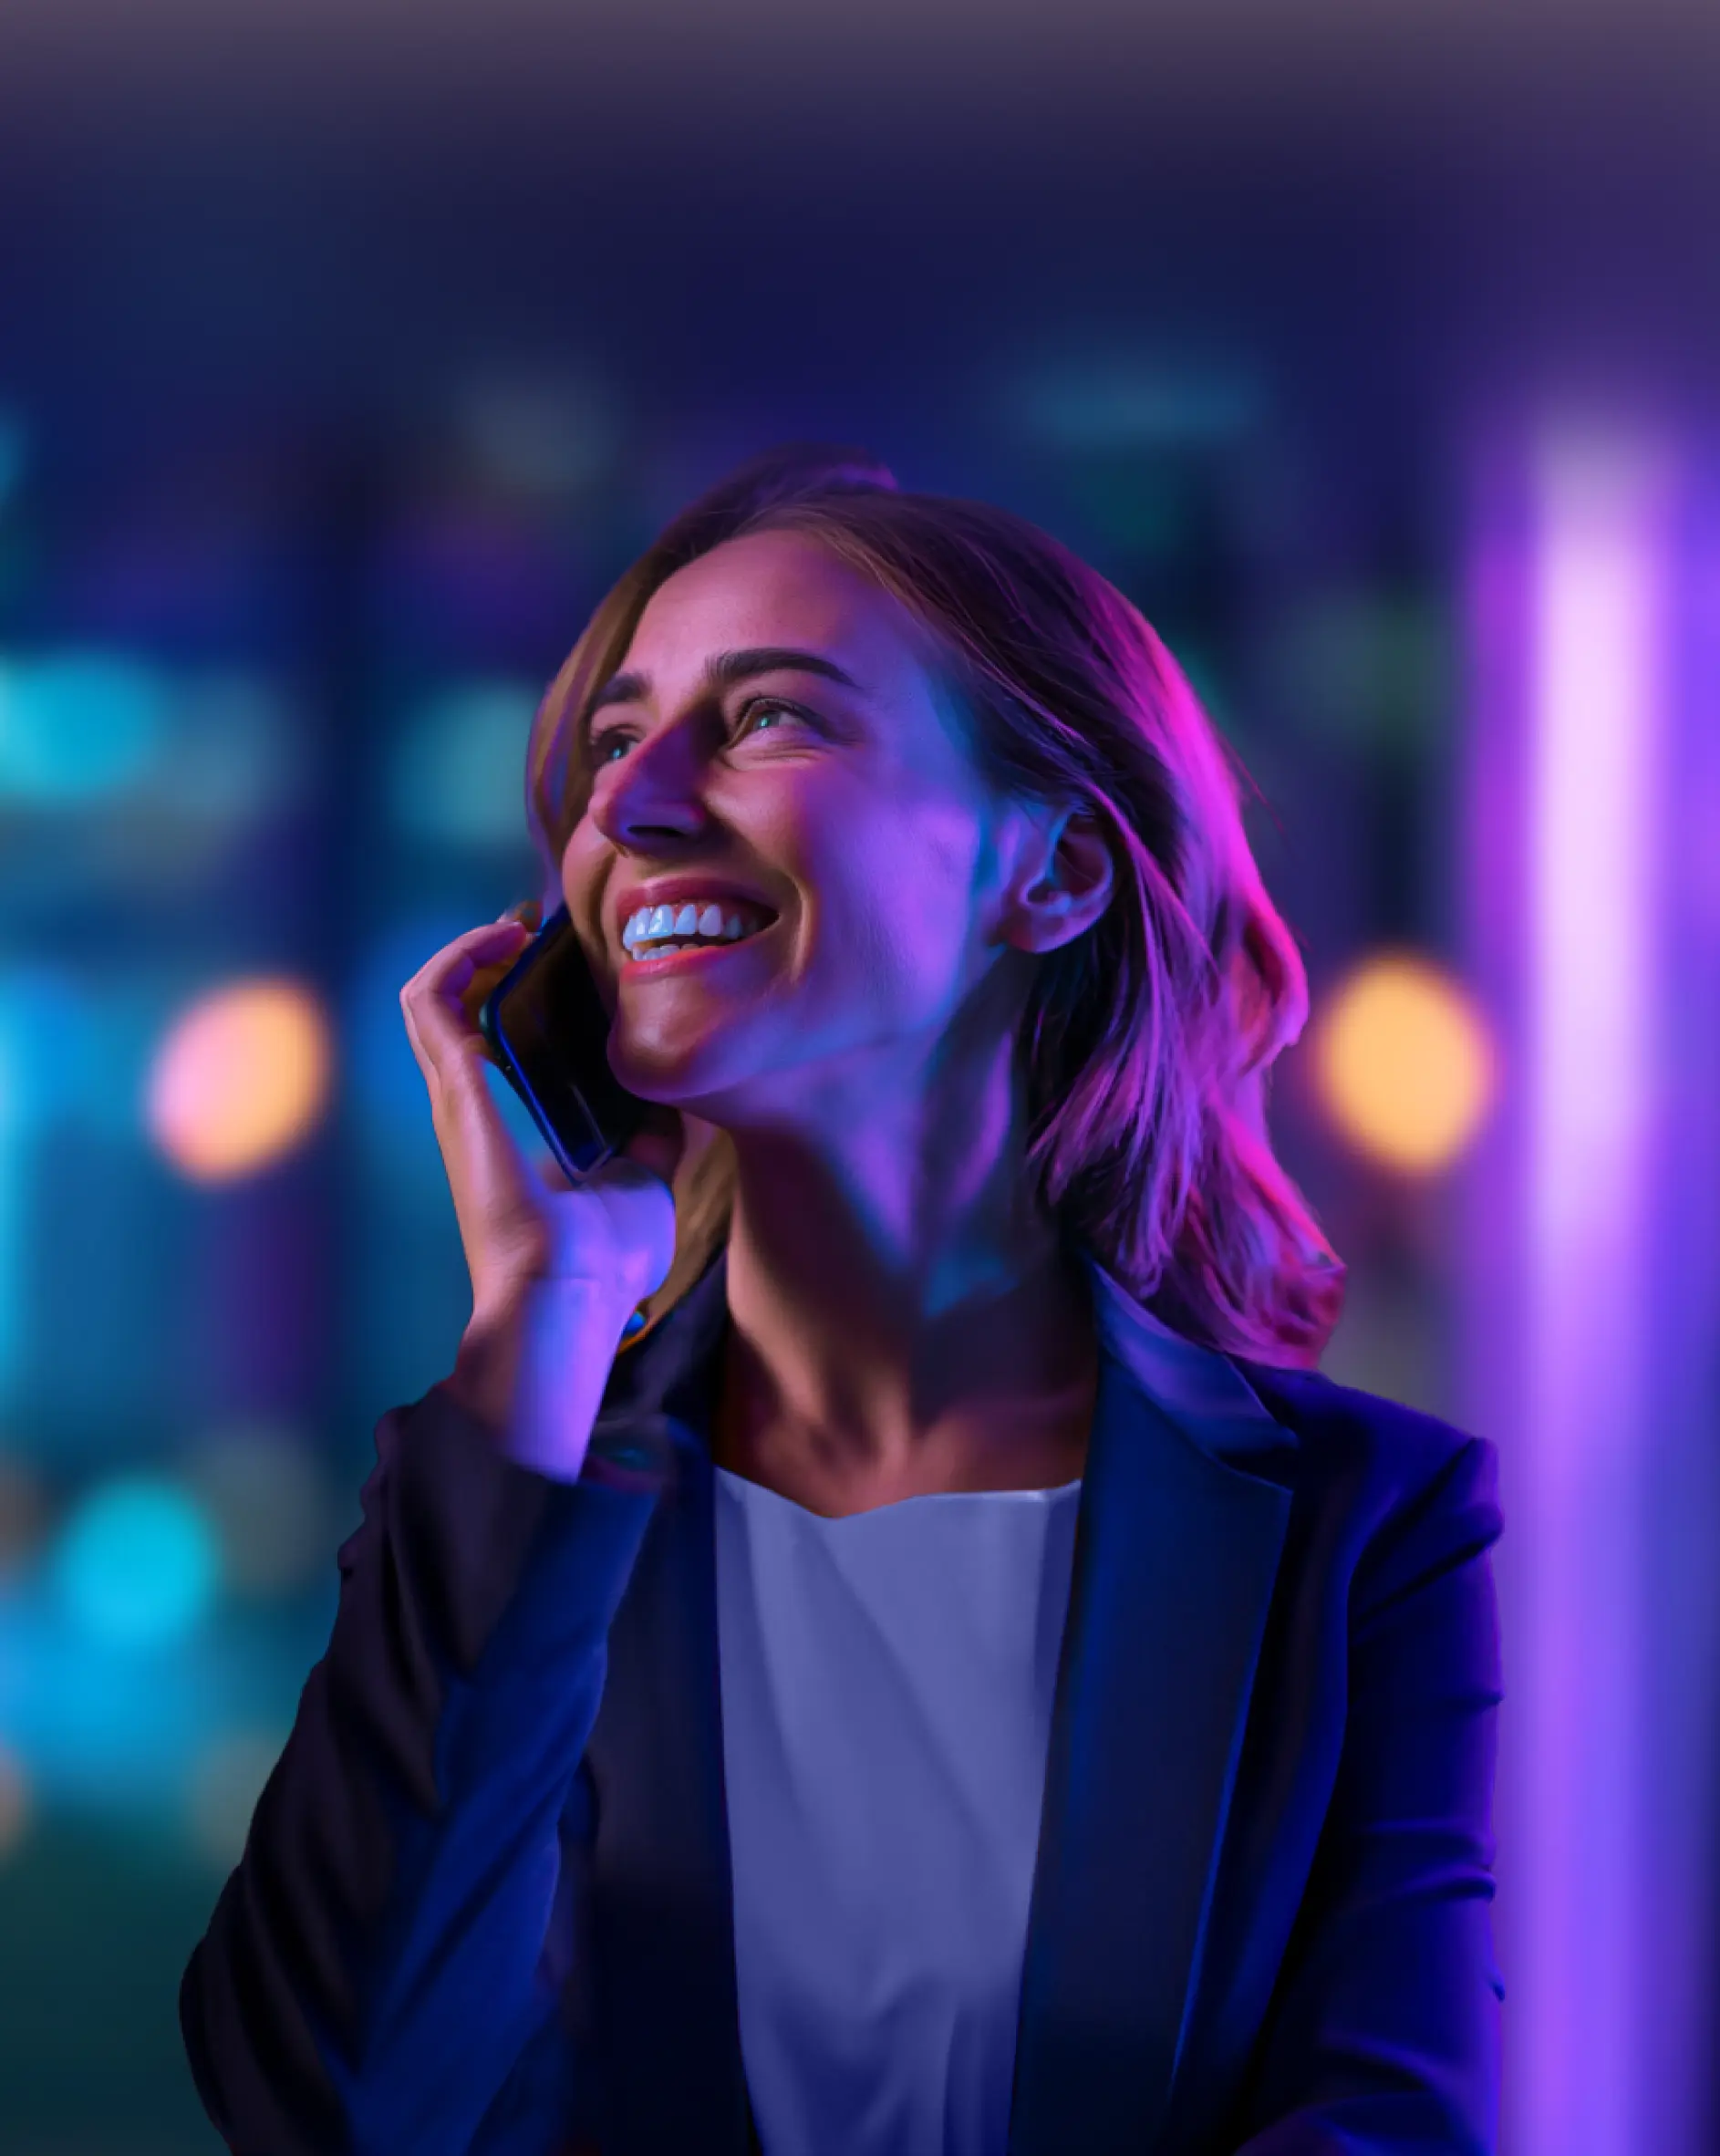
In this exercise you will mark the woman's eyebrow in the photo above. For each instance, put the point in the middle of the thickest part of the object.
(726, 668)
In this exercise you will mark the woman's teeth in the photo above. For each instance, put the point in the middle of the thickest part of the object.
(669, 927)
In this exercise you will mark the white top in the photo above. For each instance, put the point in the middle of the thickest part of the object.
(887, 1682)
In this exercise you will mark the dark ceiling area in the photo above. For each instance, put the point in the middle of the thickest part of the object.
(1405, 211)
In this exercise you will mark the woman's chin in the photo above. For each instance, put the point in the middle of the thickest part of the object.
(668, 1082)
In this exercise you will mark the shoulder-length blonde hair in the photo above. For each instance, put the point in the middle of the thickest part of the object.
(1148, 1037)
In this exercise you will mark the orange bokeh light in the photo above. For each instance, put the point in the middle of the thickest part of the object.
(1404, 1064)
(240, 1078)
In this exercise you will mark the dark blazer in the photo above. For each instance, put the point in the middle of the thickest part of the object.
(485, 1900)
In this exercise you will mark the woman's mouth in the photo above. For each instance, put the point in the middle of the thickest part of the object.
(667, 956)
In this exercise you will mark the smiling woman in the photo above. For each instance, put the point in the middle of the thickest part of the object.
(1146, 1039)
(1034, 1710)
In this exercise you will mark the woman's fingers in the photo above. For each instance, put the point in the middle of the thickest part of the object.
(440, 1001)
(499, 1204)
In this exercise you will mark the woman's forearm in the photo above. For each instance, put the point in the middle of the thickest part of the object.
(369, 1976)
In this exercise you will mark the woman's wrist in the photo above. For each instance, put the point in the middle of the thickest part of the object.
(569, 1326)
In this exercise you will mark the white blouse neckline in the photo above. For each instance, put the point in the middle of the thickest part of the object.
(741, 1483)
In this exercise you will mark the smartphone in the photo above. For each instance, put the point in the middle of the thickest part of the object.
(546, 1025)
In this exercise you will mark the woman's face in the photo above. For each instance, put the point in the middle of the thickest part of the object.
(829, 785)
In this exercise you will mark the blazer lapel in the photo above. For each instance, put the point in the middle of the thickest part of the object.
(1177, 1552)
(667, 2024)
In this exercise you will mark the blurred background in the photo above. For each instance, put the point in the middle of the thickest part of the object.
(347, 352)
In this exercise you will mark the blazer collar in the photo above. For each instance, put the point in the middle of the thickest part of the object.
(1179, 1530)
(1202, 1391)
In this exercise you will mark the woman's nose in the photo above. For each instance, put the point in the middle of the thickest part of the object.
(658, 785)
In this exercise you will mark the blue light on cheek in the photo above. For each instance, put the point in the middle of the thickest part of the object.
(137, 1565)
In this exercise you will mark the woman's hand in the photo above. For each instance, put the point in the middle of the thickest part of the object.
(558, 1271)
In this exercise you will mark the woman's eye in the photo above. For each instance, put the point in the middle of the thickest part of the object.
(598, 745)
(763, 706)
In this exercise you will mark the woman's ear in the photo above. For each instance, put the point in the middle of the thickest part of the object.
(1066, 884)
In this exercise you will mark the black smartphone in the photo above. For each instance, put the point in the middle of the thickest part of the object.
(547, 1028)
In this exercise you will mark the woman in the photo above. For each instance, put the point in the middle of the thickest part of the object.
(1022, 1705)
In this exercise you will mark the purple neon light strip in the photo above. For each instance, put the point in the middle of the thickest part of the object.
(1597, 709)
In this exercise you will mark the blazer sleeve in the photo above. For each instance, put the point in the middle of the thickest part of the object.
(370, 1978)
(1383, 2034)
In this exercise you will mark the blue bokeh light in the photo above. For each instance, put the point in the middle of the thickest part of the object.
(237, 752)
(1128, 402)
(458, 768)
(138, 1562)
(77, 725)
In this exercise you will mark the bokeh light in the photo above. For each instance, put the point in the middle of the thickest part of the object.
(457, 775)
(1370, 671)
(242, 1078)
(235, 754)
(1128, 402)
(49, 1048)
(542, 436)
(1404, 1064)
(138, 1562)
(270, 1499)
(76, 725)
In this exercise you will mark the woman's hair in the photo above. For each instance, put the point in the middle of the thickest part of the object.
(1148, 1037)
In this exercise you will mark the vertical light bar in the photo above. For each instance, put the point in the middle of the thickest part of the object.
(1596, 713)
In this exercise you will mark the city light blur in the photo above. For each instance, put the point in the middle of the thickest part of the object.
(1405, 1065)
(241, 1076)
(350, 357)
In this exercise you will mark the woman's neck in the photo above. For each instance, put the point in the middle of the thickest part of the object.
(872, 1348)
